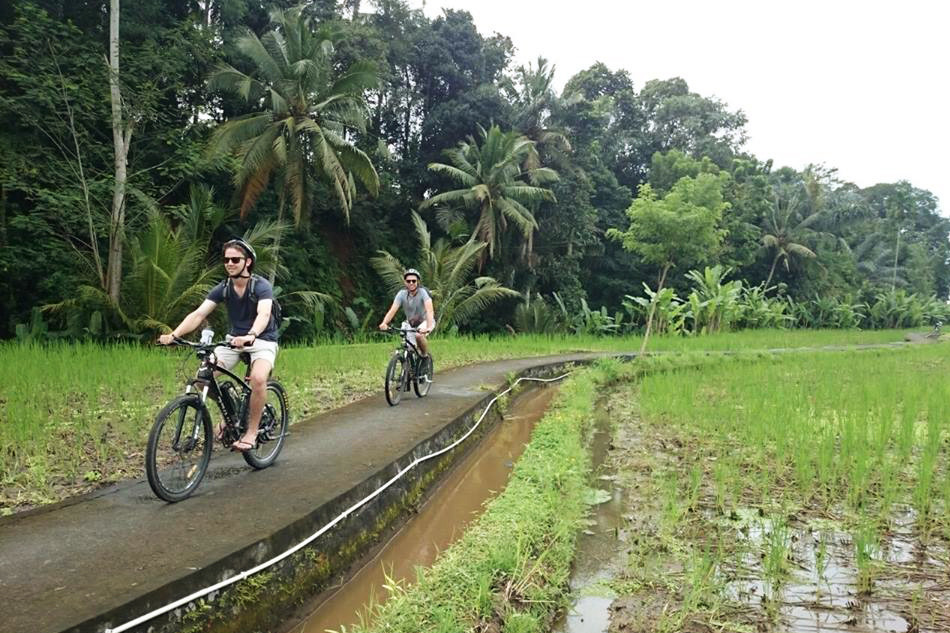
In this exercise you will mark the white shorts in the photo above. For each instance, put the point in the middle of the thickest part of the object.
(261, 350)
(412, 335)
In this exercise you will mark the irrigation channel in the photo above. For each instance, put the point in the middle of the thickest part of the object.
(440, 521)
(597, 557)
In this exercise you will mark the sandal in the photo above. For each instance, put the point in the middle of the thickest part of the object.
(241, 446)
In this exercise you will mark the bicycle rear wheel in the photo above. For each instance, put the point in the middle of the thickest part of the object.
(179, 448)
(273, 429)
(394, 386)
(422, 381)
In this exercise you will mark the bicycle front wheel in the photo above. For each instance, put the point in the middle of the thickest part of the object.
(394, 379)
(179, 448)
(273, 429)
(423, 379)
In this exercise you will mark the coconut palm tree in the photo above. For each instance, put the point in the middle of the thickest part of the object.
(784, 231)
(302, 133)
(447, 275)
(493, 177)
(533, 97)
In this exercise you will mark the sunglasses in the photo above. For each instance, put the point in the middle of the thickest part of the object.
(234, 260)
(412, 281)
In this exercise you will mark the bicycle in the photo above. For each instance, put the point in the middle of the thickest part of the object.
(406, 366)
(179, 444)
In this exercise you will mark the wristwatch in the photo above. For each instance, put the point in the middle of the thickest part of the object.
(252, 333)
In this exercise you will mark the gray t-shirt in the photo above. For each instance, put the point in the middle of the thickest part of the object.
(413, 305)
(242, 311)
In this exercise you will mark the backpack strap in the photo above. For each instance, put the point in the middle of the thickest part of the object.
(251, 288)
(252, 292)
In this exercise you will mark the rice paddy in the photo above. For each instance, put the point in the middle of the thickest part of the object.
(794, 492)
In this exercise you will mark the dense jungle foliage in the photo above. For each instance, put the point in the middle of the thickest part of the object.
(346, 140)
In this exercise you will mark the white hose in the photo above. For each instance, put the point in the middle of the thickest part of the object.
(249, 572)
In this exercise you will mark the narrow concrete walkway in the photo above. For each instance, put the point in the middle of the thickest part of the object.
(61, 566)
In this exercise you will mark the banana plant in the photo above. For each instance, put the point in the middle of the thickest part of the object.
(714, 303)
(669, 314)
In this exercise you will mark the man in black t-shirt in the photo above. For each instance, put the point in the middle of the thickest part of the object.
(252, 328)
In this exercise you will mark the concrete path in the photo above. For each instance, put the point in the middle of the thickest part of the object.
(63, 565)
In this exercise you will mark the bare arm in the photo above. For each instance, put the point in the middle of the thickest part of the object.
(384, 324)
(430, 316)
(190, 323)
(261, 321)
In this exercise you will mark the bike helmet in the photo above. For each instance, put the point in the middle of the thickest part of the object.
(249, 251)
(412, 271)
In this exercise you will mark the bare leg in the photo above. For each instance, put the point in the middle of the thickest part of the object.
(422, 344)
(260, 372)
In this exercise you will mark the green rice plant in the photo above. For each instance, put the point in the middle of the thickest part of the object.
(724, 477)
(821, 558)
(866, 547)
(700, 590)
(775, 562)
(674, 506)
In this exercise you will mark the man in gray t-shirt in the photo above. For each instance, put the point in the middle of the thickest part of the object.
(416, 303)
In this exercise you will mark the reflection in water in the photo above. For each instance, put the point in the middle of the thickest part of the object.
(823, 592)
(478, 477)
(598, 547)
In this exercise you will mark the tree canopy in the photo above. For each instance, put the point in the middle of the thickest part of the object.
(352, 118)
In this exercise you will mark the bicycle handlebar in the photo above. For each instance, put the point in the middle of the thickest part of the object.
(199, 345)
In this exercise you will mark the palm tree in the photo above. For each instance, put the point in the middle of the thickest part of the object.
(446, 273)
(302, 134)
(533, 97)
(784, 231)
(171, 268)
(493, 177)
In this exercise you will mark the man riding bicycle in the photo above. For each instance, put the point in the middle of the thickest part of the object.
(252, 328)
(416, 303)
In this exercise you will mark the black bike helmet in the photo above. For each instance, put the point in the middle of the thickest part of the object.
(244, 246)
(412, 271)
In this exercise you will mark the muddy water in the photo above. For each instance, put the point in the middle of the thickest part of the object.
(597, 555)
(479, 477)
(824, 592)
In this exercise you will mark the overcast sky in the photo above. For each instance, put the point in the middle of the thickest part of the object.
(860, 86)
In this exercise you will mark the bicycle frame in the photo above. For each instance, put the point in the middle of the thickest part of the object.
(411, 351)
(207, 374)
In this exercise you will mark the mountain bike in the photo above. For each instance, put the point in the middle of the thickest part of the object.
(407, 366)
(179, 444)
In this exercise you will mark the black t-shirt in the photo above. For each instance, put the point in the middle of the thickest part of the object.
(242, 311)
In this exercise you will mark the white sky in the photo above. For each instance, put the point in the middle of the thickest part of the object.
(860, 86)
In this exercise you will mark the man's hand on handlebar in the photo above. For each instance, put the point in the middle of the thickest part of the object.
(243, 341)
(166, 339)
(383, 326)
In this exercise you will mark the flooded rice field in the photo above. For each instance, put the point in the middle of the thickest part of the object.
(480, 476)
(662, 557)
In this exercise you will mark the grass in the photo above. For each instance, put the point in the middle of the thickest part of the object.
(860, 430)
(73, 416)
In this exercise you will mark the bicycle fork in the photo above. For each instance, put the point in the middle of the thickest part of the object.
(192, 440)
